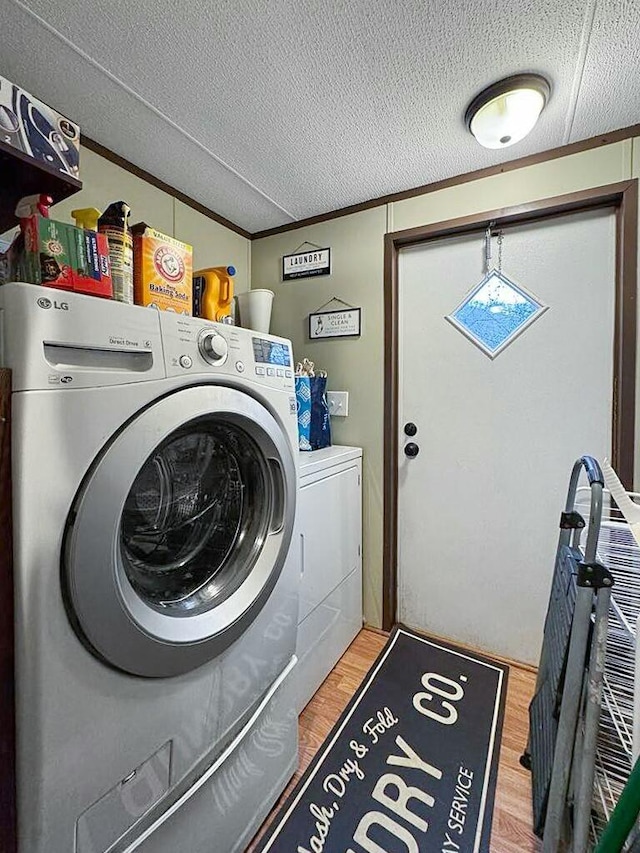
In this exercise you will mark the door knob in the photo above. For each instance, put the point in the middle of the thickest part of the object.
(410, 429)
(411, 450)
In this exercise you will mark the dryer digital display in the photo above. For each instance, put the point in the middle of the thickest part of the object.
(270, 352)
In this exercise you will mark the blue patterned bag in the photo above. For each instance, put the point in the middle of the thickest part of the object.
(303, 402)
(314, 423)
(320, 420)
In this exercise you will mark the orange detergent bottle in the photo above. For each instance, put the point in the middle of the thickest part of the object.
(213, 293)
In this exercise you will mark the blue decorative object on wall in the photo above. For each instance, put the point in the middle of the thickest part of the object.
(495, 312)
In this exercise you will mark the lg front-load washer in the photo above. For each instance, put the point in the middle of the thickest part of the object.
(156, 575)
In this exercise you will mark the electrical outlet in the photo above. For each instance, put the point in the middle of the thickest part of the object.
(338, 402)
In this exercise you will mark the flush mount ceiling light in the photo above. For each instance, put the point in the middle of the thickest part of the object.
(505, 112)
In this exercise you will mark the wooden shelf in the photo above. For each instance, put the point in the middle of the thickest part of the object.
(22, 175)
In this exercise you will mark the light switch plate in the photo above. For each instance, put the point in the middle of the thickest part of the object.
(338, 402)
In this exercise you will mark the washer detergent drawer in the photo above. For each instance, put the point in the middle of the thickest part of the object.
(100, 827)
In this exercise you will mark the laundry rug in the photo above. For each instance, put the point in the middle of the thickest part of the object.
(411, 764)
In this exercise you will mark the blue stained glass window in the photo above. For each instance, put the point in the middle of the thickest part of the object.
(495, 312)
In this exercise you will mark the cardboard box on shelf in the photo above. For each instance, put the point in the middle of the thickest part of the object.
(63, 256)
(37, 130)
(162, 271)
(92, 256)
(47, 253)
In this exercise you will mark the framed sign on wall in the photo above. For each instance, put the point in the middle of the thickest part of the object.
(343, 323)
(313, 262)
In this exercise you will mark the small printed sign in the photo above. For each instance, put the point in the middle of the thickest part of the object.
(335, 324)
(306, 264)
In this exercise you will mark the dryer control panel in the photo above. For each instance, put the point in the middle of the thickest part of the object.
(199, 346)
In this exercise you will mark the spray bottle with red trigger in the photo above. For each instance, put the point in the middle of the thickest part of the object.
(29, 205)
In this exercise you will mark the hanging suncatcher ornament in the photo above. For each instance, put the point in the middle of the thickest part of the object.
(497, 310)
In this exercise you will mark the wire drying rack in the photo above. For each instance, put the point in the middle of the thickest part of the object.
(584, 732)
(618, 735)
(564, 712)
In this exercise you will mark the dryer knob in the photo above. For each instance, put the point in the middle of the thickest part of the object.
(213, 347)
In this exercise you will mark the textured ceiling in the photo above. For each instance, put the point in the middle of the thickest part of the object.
(273, 112)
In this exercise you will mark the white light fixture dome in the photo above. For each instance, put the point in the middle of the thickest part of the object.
(505, 112)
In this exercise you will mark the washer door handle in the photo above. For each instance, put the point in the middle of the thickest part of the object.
(277, 480)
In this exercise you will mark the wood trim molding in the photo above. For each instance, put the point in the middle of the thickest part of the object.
(501, 168)
(117, 160)
(374, 630)
(546, 208)
(390, 442)
(625, 335)
(7, 697)
(467, 177)
(624, 197)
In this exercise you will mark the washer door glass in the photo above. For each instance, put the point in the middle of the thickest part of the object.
(196, 517)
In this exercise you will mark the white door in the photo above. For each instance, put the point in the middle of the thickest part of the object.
(479, 505)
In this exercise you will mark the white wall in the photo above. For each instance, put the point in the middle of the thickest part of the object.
(213, 244)
(357, 256)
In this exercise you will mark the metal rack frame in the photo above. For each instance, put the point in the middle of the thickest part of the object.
(565, 711)
(618, 739)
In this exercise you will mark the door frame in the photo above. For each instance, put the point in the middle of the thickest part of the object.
(623, 198)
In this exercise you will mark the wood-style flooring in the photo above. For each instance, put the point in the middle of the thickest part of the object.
(511, 831)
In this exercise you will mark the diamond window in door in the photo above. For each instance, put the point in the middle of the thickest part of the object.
(495, 312)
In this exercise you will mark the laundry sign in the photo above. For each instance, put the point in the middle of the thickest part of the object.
(344, 323)
(306, 264)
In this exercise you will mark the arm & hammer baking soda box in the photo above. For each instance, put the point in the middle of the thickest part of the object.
(162, 271)
(65, 257)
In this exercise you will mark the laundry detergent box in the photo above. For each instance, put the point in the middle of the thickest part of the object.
(60, 255)
(92, 262)
(162, 271)
(48, 252)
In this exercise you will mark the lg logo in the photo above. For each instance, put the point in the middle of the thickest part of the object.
(43, 302)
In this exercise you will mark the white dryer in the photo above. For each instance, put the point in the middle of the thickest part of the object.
(156, 592)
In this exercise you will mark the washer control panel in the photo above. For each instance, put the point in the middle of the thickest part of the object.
(193, 346)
